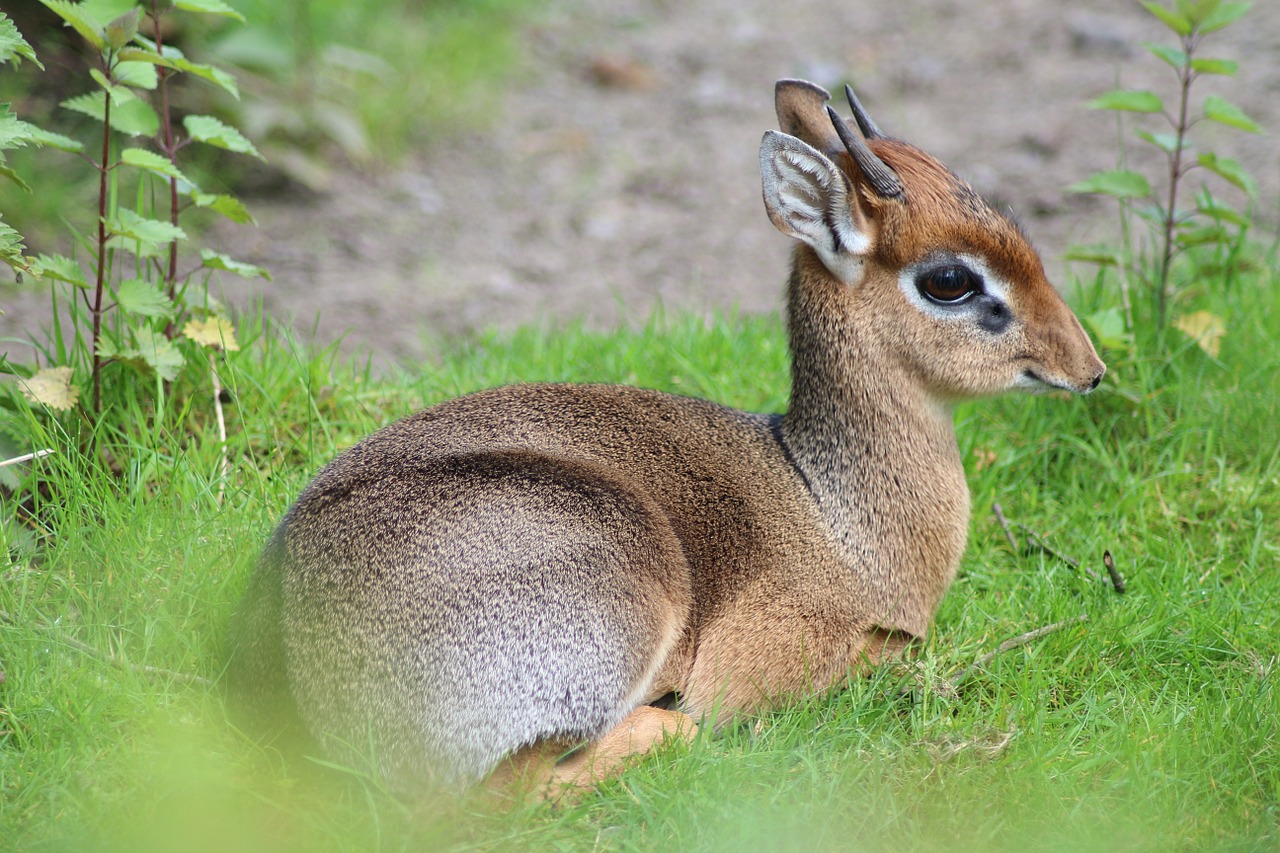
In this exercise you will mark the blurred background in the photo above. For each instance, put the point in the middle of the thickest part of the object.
(435, 167)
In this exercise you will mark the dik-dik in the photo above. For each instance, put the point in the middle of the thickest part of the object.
(489, 583)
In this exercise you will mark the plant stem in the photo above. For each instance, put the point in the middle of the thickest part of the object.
(171, 151)
(100, 285)
(1185, 76)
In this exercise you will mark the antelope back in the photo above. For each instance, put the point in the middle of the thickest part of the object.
(894, 244)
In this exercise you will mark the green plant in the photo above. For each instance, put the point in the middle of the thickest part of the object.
(1175, 229)
(134, 311)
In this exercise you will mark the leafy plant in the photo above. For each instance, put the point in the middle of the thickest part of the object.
(134, 314)
(1175, 229)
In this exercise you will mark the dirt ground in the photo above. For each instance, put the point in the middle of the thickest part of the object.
(623, 169)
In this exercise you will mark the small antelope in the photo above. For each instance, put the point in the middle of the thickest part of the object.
(478, 589)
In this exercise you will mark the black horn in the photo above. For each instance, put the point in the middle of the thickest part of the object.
(869, 128)
(882, 179)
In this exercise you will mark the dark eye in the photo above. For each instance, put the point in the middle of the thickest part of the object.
(949, 285)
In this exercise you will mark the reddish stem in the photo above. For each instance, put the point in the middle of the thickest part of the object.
(170, 150)
(99, 285)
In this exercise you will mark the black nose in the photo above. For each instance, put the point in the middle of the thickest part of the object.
(1096, 380)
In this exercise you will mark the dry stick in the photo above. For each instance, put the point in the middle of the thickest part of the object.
(26, 457)
(111, 658)
(1117, 579)
(1004, 525)
(222, 423)
(1037, 540)
(1013, 643)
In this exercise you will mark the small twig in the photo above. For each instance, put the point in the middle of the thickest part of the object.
(1004, 525)
(222, 423)
(1014, 643)
(108, 657)
(1038, 541)
(1117, 579)
(27, 457)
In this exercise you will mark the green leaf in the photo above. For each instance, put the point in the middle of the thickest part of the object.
(1107, 326)
(214, 75)
(40, 136)
(137, 296)
(151, 162)
(212, 7)
(11, 247)
(12, 175)
(1129, 100)
(14, 132)
(1166, 142)
(1224, 15)
(149, 232)
(1102, 255)
(210, 131)
(213, 331)
(1225, 67)
(60, 268)
(158, 353)
(72, 14)
(216, 261)
(1175, 21)
(129, 114)
(13, 47)
(137, 54)
(1172, 56)
(1202, 235)
(1211, 207)
(228, 205)
(121, 30)
(140, 74)
(1120, 183)
(1230, 171)
(1224, 112)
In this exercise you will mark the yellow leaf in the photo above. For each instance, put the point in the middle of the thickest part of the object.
(51, 387)
(1206, 329)
(216, 332)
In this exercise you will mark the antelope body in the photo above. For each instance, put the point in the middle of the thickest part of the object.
(494, 580)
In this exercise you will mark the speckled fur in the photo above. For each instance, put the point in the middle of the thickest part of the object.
(527, 565)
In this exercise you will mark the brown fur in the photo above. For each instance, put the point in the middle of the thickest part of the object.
(494, 579)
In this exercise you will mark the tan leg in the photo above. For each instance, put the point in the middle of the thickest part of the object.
(639, 732)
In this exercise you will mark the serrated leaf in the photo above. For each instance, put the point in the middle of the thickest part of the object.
(1166, 142)
(1224, 112)
(131, 226)
(129, 115)
(40, 136)
(138, 54)
(1175, 21)
(1119, 183)
(140, 74)
(11, 248)
(218, 261)
(1215, 209)
(121, 30)
(212, 331)
(1206, 329)
(1225, 67)
(14, 132)
(150, 161)
(138, 296)
(158, 353)
(227, 205)
(211, 131)
(72, 15)
(1230, 171)
(214, 75)
(1171, 56)
(13, 47)
(51, 387)
(12, 175)
(1129, 100)
(60, 268)
(212, 7)
(1224, 15)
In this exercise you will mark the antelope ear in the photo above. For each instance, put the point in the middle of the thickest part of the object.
(808, 197)
(802, 113)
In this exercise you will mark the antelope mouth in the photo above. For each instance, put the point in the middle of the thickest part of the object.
(1035, 382)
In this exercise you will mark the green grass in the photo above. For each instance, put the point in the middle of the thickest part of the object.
(1154, 725)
